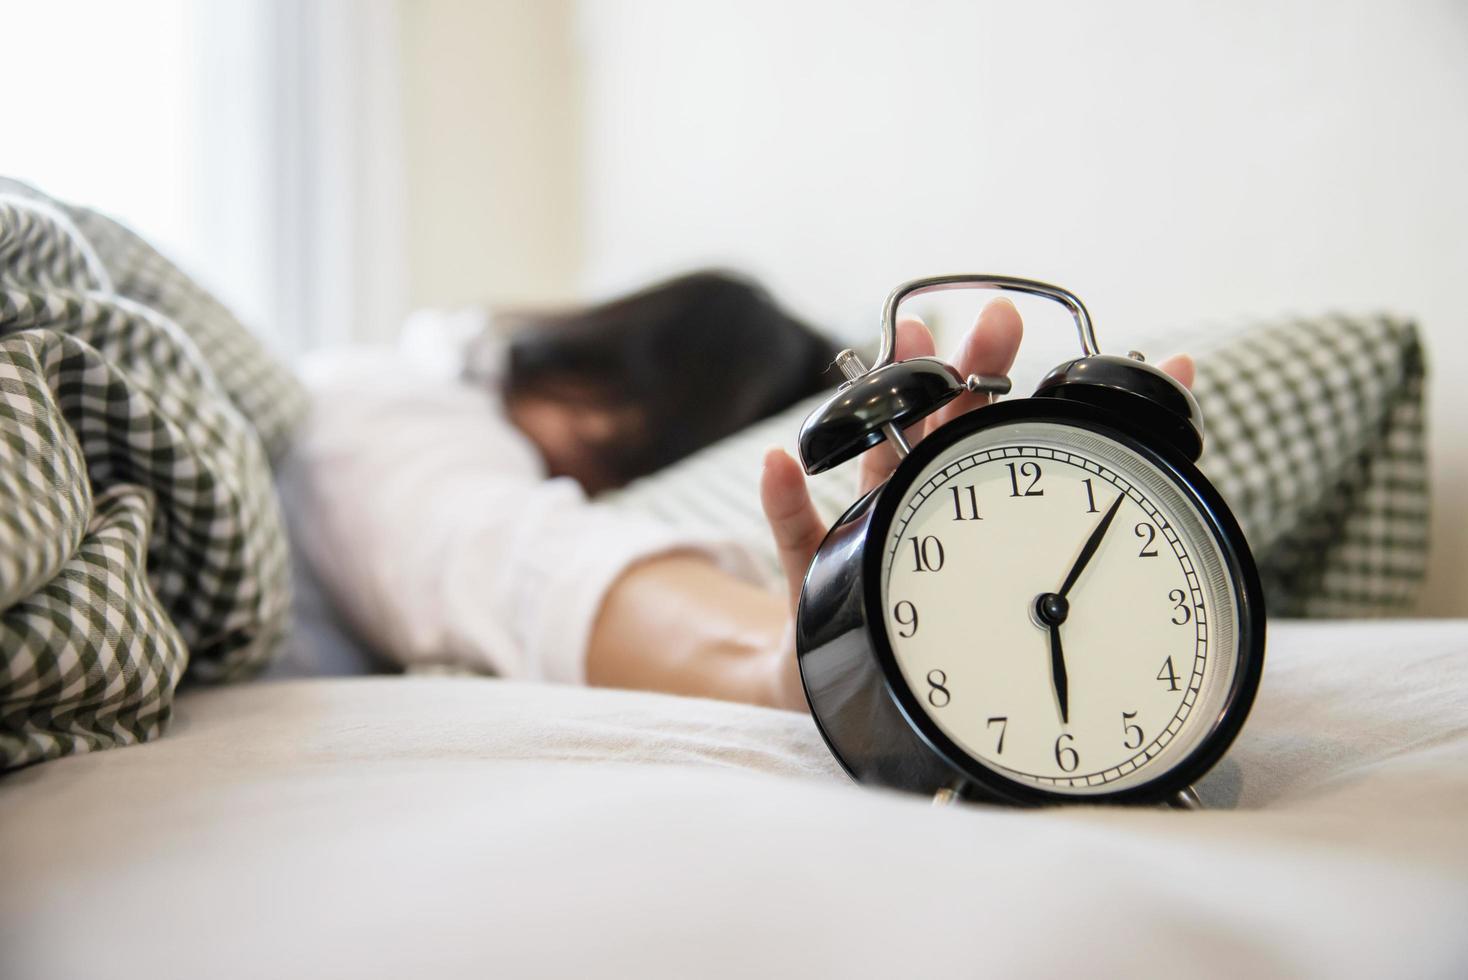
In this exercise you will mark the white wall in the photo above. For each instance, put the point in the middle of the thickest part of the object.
(491, 100)
(1173, 163)
(256, 142)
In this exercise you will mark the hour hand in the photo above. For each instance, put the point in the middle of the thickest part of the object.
(1057, 675)
(1051, 609)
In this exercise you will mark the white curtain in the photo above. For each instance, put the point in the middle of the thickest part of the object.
(257, 142)
(300, 178)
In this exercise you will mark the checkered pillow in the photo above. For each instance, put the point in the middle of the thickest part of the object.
(139, 532)
(1314, 436)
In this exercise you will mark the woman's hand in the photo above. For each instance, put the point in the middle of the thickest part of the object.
(989, 348)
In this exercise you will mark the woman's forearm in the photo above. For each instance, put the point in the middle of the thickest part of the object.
(681, 625)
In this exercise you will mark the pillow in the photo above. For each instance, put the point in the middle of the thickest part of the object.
(1314, 435)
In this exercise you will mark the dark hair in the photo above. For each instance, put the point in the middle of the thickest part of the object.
(699, 357)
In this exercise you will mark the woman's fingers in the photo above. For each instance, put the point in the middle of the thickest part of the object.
(989, 348)
(877, 463)
(793, 520)
(1181, 367)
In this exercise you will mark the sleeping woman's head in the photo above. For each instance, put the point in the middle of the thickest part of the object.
(622, 389)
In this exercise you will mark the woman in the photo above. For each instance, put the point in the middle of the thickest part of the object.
(455, 521)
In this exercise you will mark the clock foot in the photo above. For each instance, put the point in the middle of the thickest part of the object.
(945, 797)
(1185, 799)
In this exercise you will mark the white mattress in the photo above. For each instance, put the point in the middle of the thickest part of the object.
(382, 827)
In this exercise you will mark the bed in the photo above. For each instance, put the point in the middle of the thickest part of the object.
(454, 826)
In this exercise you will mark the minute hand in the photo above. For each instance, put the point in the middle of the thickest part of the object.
(1092, 543)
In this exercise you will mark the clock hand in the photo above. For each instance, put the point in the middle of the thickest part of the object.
(1057, 674)
(1050, 611)
(1092, 543)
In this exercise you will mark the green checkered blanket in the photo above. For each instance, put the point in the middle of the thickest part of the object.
(139, 533)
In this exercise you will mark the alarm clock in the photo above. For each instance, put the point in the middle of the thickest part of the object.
(1046, 602)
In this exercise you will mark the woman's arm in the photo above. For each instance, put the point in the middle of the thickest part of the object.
(679, 624)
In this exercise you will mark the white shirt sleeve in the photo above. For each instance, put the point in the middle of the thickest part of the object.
(430, 521)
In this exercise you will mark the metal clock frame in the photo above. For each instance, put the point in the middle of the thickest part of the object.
(869, 716)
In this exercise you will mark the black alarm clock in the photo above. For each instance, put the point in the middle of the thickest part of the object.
(1046, 602)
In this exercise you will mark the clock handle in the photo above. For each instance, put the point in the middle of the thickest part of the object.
(933, 284)
(875, 403)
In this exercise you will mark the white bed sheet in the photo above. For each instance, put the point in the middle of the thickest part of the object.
(468, 827)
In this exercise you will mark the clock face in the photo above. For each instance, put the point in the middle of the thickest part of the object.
(1058, 608)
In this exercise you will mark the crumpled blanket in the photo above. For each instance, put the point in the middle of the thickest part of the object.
(140, 538)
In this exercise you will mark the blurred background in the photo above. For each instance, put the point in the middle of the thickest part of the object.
(328, 165)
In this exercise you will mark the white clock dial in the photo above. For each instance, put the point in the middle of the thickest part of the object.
(1146, 626)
